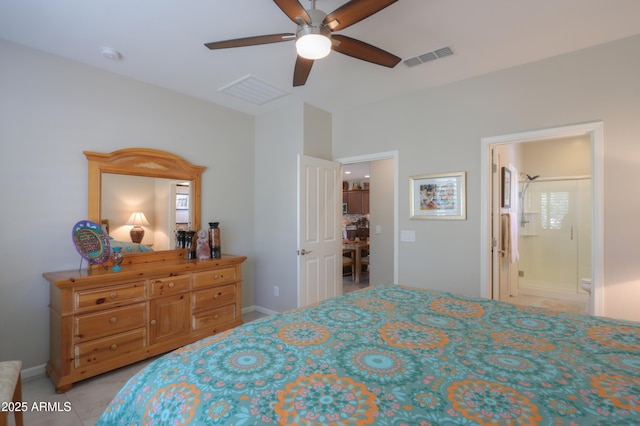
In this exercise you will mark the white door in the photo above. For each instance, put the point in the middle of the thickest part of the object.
(319, 230)
(495, 226)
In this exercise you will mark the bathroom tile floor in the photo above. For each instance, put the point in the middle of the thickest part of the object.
(555, 304)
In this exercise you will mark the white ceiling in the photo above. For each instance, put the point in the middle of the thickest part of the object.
(356, 171)
(161, 42)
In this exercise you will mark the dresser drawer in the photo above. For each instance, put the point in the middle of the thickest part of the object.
(102, 350)
(217, 276)
(169, 285)
(109, 296)
(214, 297)
(212, 318)
(112, 321)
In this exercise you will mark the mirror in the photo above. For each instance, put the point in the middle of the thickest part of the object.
(162, 186)
(162, 206)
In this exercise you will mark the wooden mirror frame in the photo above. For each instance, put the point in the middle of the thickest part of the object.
(149, 163)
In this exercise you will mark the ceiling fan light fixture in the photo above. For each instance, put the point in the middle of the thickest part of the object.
(313, 42)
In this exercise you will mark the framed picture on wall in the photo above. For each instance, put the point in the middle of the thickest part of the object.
(506, 187)
(438, 196)
(182, 201)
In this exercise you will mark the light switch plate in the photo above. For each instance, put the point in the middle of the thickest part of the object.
(408, 236)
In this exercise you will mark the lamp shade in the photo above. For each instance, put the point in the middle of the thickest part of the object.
(137, 219)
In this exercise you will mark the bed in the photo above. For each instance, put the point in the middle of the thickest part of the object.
(129, 247)
(125, 246)
(393, 355)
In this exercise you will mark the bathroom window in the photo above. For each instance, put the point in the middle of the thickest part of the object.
(554, 206)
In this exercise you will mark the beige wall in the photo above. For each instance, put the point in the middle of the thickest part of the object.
(557, 157)
(279, 140)
(382, 211)
(440, 130)
(51, 110)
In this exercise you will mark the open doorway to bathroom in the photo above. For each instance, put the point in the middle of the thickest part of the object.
(544, 245)
(553, 225)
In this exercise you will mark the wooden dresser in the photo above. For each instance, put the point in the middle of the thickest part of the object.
(107, 320)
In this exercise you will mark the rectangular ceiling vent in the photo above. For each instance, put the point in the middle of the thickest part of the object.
(253, 90)
(429, 56)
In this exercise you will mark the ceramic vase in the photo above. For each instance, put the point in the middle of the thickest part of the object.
(116, 259)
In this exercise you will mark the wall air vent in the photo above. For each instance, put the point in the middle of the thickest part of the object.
(253, 90)
(429, 56)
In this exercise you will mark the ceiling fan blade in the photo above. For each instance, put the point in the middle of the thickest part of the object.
(361, 50)
(301, 71)
(250, 41)
(293, 9)
(354, 11)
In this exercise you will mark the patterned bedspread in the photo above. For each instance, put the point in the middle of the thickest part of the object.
(397, 356)
(128, 247)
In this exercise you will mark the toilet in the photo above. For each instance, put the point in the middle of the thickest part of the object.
(585, 283)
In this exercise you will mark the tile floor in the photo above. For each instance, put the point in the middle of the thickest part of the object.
(86, 400)
(348, 285)
(558, 305)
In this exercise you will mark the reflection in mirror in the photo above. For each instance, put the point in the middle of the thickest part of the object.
(165, 187)
(165, 204)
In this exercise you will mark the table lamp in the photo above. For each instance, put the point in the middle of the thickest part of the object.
(137, 219)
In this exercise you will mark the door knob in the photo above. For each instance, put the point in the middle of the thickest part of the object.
(303, 252)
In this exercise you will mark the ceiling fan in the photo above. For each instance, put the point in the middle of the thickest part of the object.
(315, 36)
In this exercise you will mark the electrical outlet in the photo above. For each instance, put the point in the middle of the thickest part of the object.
(276, 291)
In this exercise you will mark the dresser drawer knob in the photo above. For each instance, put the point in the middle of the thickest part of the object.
(172, 285)
(113, 320)
(113, 295)
(153, 322)
(215, 317)
(215, 296)
(216, 276)
(113, 347)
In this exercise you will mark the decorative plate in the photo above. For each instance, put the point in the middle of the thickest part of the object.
(91, 242)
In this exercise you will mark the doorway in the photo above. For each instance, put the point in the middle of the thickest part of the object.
(491, 214)
(383, 216)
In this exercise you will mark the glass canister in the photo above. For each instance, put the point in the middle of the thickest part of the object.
(214, 240)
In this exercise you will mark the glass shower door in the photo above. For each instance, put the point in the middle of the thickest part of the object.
(552, 255)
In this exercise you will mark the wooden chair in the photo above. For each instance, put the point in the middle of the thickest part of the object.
(348, 261)
(364, 261)
(10, 389)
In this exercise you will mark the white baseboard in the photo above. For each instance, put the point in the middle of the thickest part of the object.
(38, 370)
(259, 309)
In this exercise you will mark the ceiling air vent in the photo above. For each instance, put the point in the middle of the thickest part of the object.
(445, 51)
(429, 56)
(253, 90)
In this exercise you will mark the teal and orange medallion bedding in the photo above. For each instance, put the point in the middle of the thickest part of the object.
(393, 355)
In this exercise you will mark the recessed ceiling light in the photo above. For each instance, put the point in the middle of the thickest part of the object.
(347, 172)
(110, 53)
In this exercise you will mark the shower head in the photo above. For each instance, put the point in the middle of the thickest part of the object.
(533, 178)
